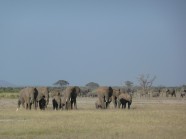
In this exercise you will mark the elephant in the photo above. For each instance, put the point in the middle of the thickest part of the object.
(171, 92)
(115, 95)
(27, 97)
(123, 99)
(43, 93)
(98, 104)
(105, 96)
(183, 93)
(156, 94)
(84, 92)
(42, 103)
(56, 100)
(69, 98)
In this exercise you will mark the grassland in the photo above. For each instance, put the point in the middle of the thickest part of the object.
(159, 118)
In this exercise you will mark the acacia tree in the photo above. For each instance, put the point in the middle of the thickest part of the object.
(61, 83)
(128, 84)
(145, 82)
(92, 85)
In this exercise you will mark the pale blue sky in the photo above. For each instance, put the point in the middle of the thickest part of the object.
(105, 41)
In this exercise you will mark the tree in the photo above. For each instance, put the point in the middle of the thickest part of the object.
(61, 83)
(92, 85)
(128, 84)
(145, 82)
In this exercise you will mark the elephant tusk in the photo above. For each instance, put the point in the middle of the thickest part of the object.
(17, 109)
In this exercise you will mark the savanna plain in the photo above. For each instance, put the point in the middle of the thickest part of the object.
(155, 118)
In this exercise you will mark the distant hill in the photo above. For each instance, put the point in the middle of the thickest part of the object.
(4, 83)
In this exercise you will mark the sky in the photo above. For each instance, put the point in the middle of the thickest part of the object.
(102, 41)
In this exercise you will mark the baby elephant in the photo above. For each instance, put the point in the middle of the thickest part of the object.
(98, 104)
(183, 93)
(42, 103)
(56, 102)
(123, 99)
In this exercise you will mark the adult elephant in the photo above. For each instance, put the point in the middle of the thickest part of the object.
(43, 95)
(171, 92)
(27, 97)
(69, 98)
(104, 95)
(115, 94)
(156, 94)
(123, 99)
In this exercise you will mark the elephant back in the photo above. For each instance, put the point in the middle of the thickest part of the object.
(54, 93)
(57, 98)
(67, 93)
(28, 93)
(104, 91)
(43, 92)
(125, 96)
(116, 92)
(71, 92)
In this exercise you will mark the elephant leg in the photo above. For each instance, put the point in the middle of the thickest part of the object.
(26, 105)
(53, 104)
(36, 104)
(129, 105)
(71, 104)
(23, 104)
(40, 105)
(56, 106)
(96, 106)
(30, 106)
(124, 105)
(114, 101)
(60, 106)
(107, 104)
(102, 102)
(66, 105)
(18, 103)
(119, 103)
(75, 104)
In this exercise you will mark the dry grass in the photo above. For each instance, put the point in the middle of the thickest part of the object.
(9, 95)
(153, 118)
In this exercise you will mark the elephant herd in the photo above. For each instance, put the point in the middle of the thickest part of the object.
(39, 97)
